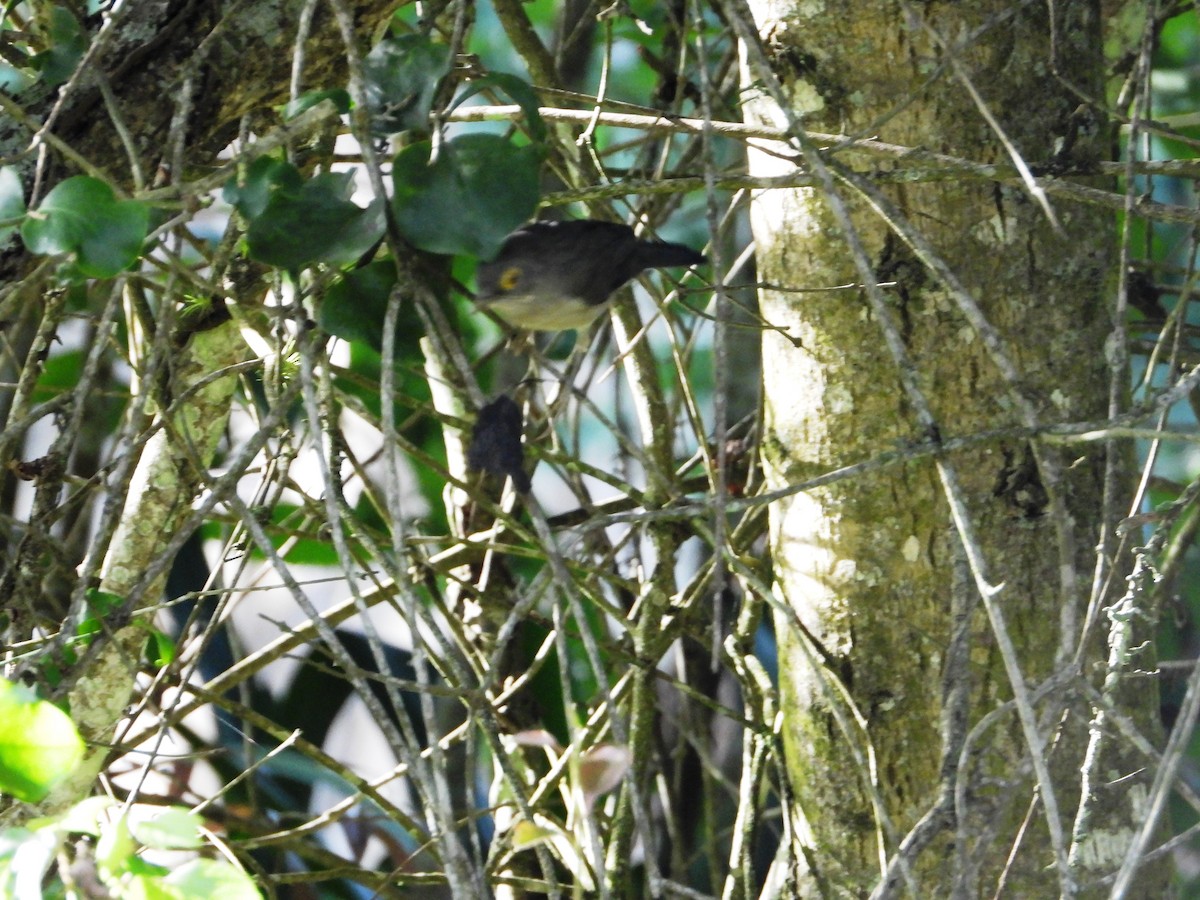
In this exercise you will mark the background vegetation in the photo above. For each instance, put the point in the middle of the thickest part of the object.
(261, 542)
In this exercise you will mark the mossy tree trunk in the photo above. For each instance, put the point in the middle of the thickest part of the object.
(898, 702)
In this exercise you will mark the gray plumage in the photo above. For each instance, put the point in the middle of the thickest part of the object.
(553, 276)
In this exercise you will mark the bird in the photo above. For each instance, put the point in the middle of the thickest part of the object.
(557, 276)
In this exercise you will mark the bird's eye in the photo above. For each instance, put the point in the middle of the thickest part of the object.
(510, 278)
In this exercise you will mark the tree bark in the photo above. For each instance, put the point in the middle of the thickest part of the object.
(204, 63)
(887, 659)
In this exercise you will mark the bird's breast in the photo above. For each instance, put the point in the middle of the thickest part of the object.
(533, 312)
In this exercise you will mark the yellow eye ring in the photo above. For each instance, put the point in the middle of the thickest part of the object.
(510, 278)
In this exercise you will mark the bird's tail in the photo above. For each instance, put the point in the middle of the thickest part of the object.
(660, 255)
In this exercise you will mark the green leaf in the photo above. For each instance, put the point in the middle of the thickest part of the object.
(50, 671)
(116, 241)
(39, 745)
(202, 879)
(402, 75)
(160, 648)
(526, 834)
(142, 885)
(291, 526)
(12, 201)
(85, 816)
(354, 307)
(83, 216)
(60, 374)
(518, 90)
(99, 605)
(67, 45)
(250, 191)
(317, 223)
(478, 189)
(172, 829)
(102, 603)
(115, 848)
(339, 96)
(359, 230)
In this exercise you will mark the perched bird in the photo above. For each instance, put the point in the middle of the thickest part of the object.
(554, 276)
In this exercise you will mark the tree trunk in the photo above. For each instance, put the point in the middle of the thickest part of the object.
(889, 663)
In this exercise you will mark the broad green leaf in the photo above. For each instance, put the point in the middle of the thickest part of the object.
(250, 190)
(358, 233)
(478, 189)
(172, 829)
(544, 830)
(160, 648)
(62, 220)
(116, 240)
(289, 524)
(85, 816)
(83, 216)
(402, 75)
(355, 306)
(60, 374)
(202, 879)
(115, 848)
(67, 45)
(12, 201)
(143, 886)
(99, 605)
(39, 745)
(317, 223)
(526, 834)
(103, 603)
(138, 879)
